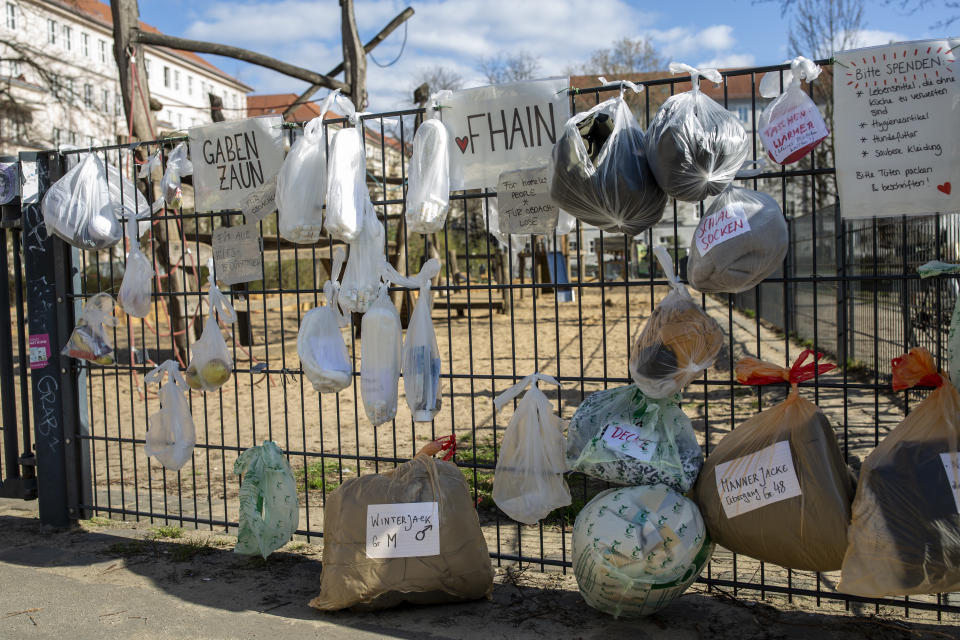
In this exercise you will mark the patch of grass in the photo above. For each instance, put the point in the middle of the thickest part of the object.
(481, 484)
(166, 532)
(297, 546)
(129, 547)
(189, 549)
(98, 521)
(750, 313)
(318, 475)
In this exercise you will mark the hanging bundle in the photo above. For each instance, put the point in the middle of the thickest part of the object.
(89, 339)
(128, 200)
(791, 125)
(776, 488)
(428, 182)
(347, 195)
(135, 289)
(269, 511)
(380, 359)
(320, 345)
(171, 434)
(210, 361)
(178, 165)
(695, 146)
(528, 483)
(678, 342)
(361, 278)
(78, 207)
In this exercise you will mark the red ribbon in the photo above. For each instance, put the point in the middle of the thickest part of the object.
(448, 444)
(799, 372)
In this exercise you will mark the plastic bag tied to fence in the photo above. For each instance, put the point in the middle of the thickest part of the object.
(678, 342)
(178, 165)
(361, 278)
(695, 146)
(128, 200)
(428, 182)
(621, 436)
(89, 339)
(739, 241)
(171, 434)
(449, 562)
(905, 535)
(269, 511)
(302, 183)
(420, 357)
(528, 483)
(636, 549)
(320, 345)
(600, 173)
(380, 348)
(137, 285)
(347, 195)
(78, 207)
(791, 125)
(210, 361)
(777, 488)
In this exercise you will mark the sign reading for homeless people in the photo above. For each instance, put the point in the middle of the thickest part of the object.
(234, 160)
(502, 128)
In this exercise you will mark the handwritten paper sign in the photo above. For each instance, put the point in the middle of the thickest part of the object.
(796, 130)
(525, 205)
(756, 480)
(503, 128)
(895, 123)
(237, 254)
(231, 160)
(951, 464)
(406, 530)
(717, 228)
(626, 440)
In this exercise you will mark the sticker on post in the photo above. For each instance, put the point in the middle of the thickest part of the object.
(624, 439)
(951, 464)
(717, 228)
(792, 131)
(757, 480)
(524, 201)
(237, 255)
(404, 530)
(39, 350)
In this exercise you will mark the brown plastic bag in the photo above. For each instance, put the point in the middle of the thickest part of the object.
(461, 570)
(905, 534)
(801, 523)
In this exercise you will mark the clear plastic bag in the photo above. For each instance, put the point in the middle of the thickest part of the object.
(78, 207)
(420, 355)
(678, 342)
(347, 195)
(320, 345)
(210, 361)
(171, 434)
(89, 339)
(786, 488)
(428, 182)
(566, 223)
(740, 240)
(136, 287)
(528, 483)
(600, 173)
(269, 511)
(621, 436)
(791, 125)
(302, 183)
(128, 201)
(380, 347)
(361, 278)
(695, 146)
(178, 165)
(905, 535)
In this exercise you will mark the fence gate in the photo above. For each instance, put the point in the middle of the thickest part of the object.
(498, 317)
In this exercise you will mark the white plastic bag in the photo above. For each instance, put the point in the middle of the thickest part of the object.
(428, 183)
(361, 278)
(127, 199)
(178, 165)
(791, 125)
(320, 346)
(210, 361)
(566, 223)
(135, 290)
(380, 339)
(529, 483)
(421, 355)
(347, 193)
(302, 183)
(78, 207)
(171, 434)
(89, 339)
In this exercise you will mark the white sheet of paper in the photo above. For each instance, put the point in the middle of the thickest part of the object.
(524, 202)
(403, 530)
(237, 254)
(761, 478)
(895, 127)
(625, 439)
(717, 228)
(953, 475)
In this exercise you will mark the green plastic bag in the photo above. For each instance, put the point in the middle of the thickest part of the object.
(269, 512)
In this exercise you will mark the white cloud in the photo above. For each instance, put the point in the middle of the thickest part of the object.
(729, 61)
(679, 42)
(867, 38)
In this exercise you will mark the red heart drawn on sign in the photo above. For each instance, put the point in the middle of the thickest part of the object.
(945, 187)
(462, 143)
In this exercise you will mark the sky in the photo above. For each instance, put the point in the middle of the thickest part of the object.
(458, 34)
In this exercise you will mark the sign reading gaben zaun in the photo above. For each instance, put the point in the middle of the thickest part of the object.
(232, 160)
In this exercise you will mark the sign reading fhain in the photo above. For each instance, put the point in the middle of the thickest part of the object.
(232, 160)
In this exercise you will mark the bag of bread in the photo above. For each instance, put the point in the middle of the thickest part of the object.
(678, 342)
(905, 535)
(776, 488)
(410, 534)
(210, 361)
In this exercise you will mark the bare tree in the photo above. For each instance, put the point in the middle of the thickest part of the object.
(515, 67)
(437, 77)
(626, 56)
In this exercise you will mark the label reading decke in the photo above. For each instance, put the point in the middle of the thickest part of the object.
(951, 464)
(729, 222)
(626, 440)
(756, 480)
(403, 530)
(792, 131)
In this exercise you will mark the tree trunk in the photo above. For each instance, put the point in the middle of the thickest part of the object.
(354, 56)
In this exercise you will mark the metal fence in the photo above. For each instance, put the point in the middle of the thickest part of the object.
(493, 329)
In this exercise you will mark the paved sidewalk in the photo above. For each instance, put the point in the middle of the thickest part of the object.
(119, 580)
